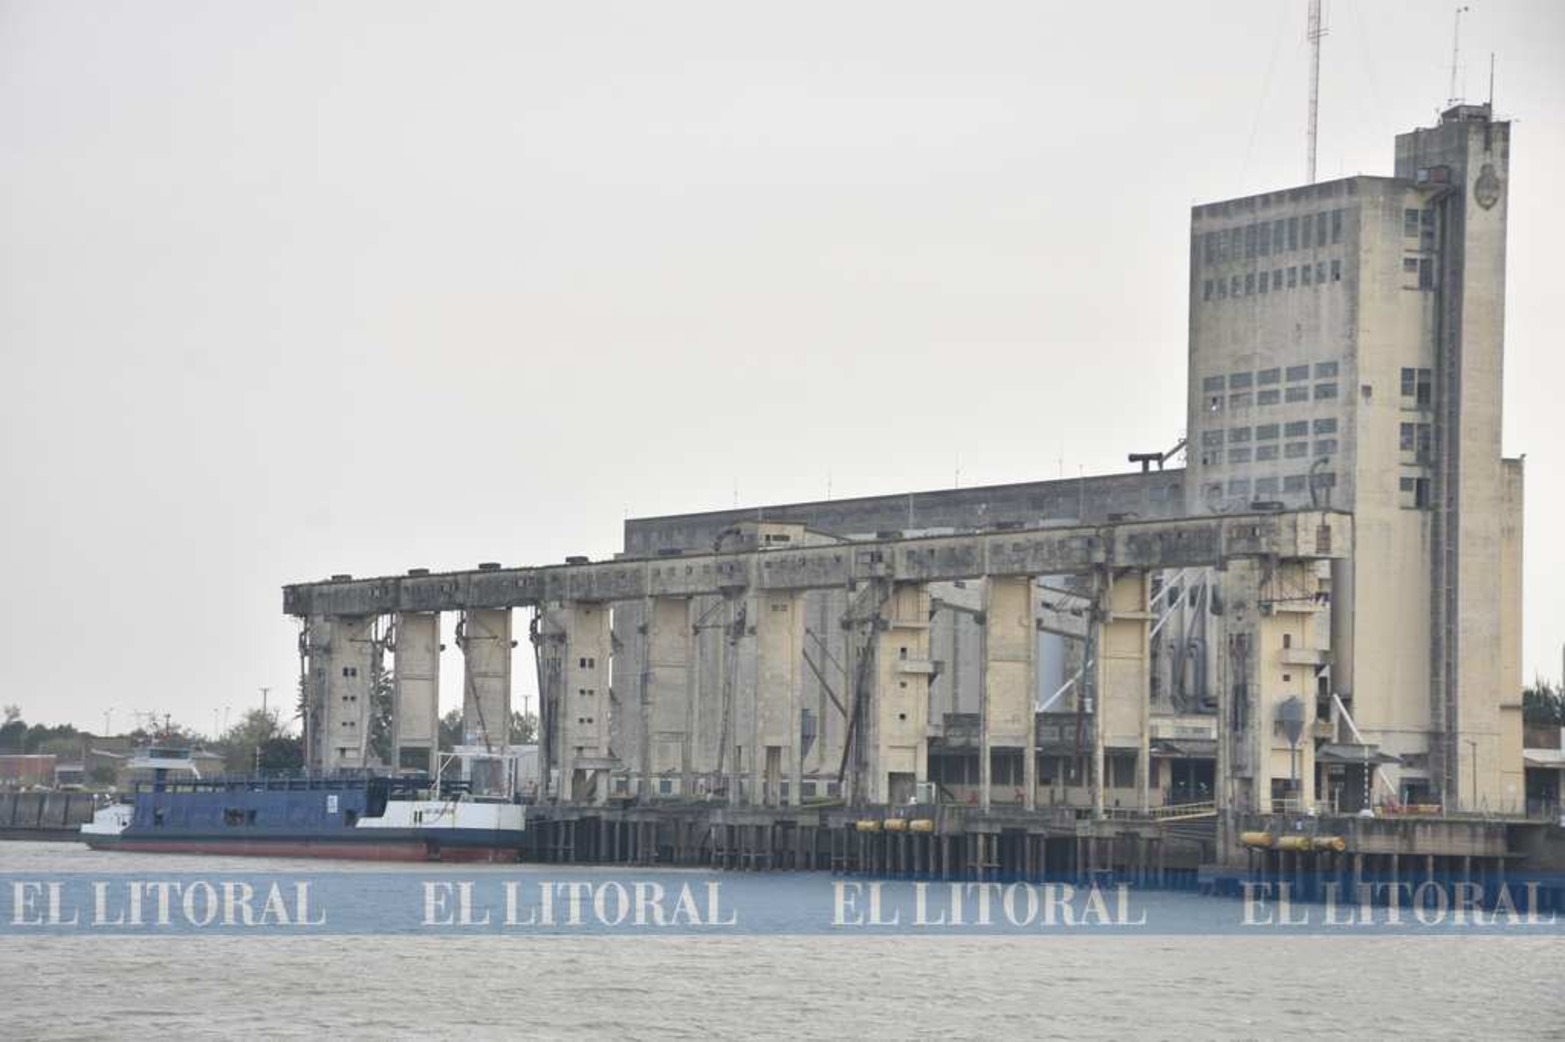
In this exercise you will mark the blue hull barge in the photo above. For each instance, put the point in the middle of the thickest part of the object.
(365, 818)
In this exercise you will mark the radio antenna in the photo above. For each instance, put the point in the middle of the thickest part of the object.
(1314, 32)
(1456, 50)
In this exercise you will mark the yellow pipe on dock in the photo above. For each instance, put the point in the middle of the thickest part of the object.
(1266, 841)
(895, 825)
(921, 825)
(867, 825)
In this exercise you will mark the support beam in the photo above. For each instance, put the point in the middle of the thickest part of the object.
(670, 652)
(585, 700)
(1010, 684)
(485, 639)
(775, 699)
(898, 716)
(1124, 676)
(415, 713)
(340, 653)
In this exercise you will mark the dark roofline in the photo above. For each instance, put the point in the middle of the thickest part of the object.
(850, 500)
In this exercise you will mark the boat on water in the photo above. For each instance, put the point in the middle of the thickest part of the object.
(361, 817)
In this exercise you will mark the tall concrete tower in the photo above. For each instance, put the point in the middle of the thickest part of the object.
(1346, 346)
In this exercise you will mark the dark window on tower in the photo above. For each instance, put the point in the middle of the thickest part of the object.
(1336, 271)
(1206, 290)
(1410, 264)
(1249, 240)
(1426, 273)
(1249, 284)
(1408, 383)
(1425, 388)
(1297, 429)
(1410, 223)
(1268, 376)
(1269, 397)
(1240, 381)
(1304, 275)
(1293, 233)
(1309, 229)
(1265, 452)
(1336, 226)
(1320, 230)
(1297, 394)
(1266, 432)
(1215, 383)
(1264, 238)
(1293, 276)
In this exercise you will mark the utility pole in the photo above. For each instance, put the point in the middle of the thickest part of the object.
(108, 716)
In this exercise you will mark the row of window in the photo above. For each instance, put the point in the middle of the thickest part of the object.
(1276, 374)
(1275, 280)
(1264, 238)
(1270, 431)
(1275, 396)
(1271, 486)
(1269, 452)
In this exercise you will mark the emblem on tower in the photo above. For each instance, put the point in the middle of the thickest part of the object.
(1486, 190)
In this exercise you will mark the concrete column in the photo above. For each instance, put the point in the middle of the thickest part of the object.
(897, 723)
(774, 754)
(1010, 679)
(338, 685)
(485, 639)
(667, 692)
(1124, 675)
(415, 715)
(586, 654)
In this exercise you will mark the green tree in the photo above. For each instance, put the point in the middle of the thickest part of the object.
(381, 699)
(451, 730)
(241, 743)
(1543, 703)
(282, 753)
(524, 728)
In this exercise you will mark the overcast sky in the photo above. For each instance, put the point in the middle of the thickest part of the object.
(289, 289)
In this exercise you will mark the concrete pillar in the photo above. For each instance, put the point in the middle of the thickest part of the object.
(338, 687)
(1009, 681)
(666, 695)
(415, 715)
(1124, 675)
(897, 723)
(586, 654)
(485, 639)
(773, 755)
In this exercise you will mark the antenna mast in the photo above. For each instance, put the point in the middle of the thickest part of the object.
(1456, 50)
(1313, 34)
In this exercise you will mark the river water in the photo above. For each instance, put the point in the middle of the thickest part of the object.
(760, 983)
